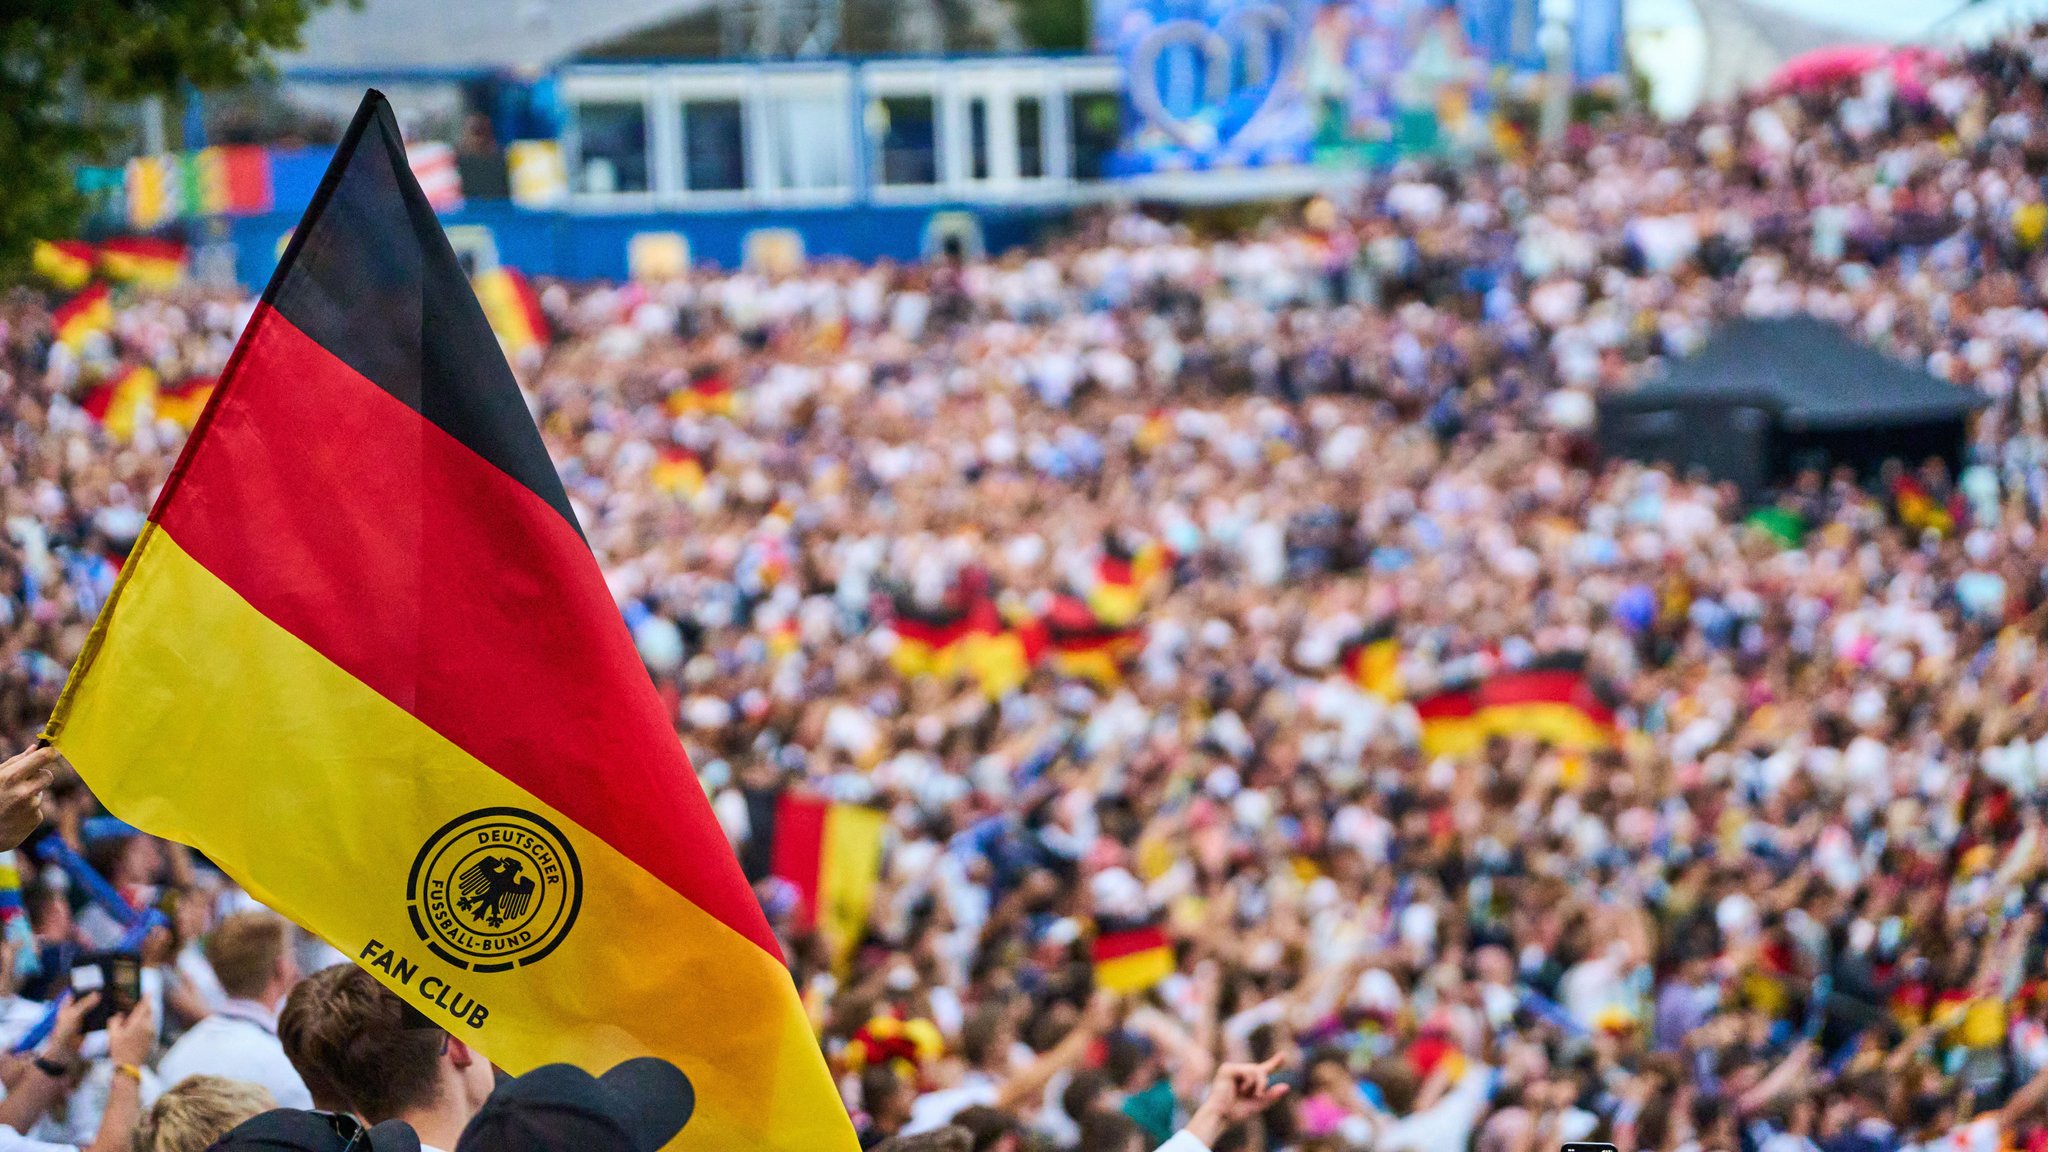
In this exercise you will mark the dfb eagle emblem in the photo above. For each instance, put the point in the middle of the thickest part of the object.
(493, 891)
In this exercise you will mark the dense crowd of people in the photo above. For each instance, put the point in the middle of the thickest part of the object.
(1798, 903)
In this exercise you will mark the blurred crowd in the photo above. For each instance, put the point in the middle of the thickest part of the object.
(1798, 903)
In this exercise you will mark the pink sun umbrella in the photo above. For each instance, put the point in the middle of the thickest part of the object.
(1827, 66)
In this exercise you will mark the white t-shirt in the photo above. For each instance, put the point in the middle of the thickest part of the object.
(1446, 1124)
(238, 1042)
(12, 1141)
(935, 1110)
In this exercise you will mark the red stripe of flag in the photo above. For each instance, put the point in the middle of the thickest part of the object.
(1452, 705)
(798, 848)
(1116, 945)
(1544, 686)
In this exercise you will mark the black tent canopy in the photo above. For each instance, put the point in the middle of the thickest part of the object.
(1765, 399)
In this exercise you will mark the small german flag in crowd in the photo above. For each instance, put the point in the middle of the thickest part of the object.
(998, 654)
(67, 264)
(1553, 699)
(709, 393)
(364, 567)
(122, 403)
(1919, 511)
(1373, 660)
(928, 640)
(181, 403)
(974, 641)
(1125, 580)
(678, 471)
(1132, 960)
(75, 320)
(513, 308)
(1450, 721)
(144, 261)
(832, 855)
(1080, 644)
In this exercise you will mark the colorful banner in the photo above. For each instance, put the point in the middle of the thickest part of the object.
(1391, 78)
(1208, 85)
(1251, 83)
(231, 180)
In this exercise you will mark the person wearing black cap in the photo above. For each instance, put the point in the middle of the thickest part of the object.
(638, 1106)
(301, 1130)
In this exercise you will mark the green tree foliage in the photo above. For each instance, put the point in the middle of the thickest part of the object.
(1054, 25)
(68, 66)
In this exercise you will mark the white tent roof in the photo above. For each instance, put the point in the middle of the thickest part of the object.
(1913, 21)
(520, 34)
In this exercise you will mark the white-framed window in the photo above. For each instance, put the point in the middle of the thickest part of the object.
(909, 129)
(1028, 110)
(712, 121)
(611, 137)
(1091, 118)
(802, 135)
(1006, 128)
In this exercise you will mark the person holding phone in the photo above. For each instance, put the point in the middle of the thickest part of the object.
(48, 1078)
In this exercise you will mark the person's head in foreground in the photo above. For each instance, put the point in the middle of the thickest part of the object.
(295, 1032)
(638, 1106)
(361, 1043)
(197, 1111)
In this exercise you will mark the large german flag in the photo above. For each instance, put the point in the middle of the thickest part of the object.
(362, 658)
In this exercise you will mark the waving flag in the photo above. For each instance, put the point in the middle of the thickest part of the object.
(709, 393)
(143, 260)
(121, 404)
(1373, 660)
(678, 471)
(363, 610)
(1133, 960)
(65, 263)
(513, 309)
(1552, 700)
(182, 403)
(1124, 581)
(84, 314)
(1081, 645)
(1451, 725)
(832, 854)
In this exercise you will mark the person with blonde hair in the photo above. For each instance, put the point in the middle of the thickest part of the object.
(251, 953)
(198, 1111)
